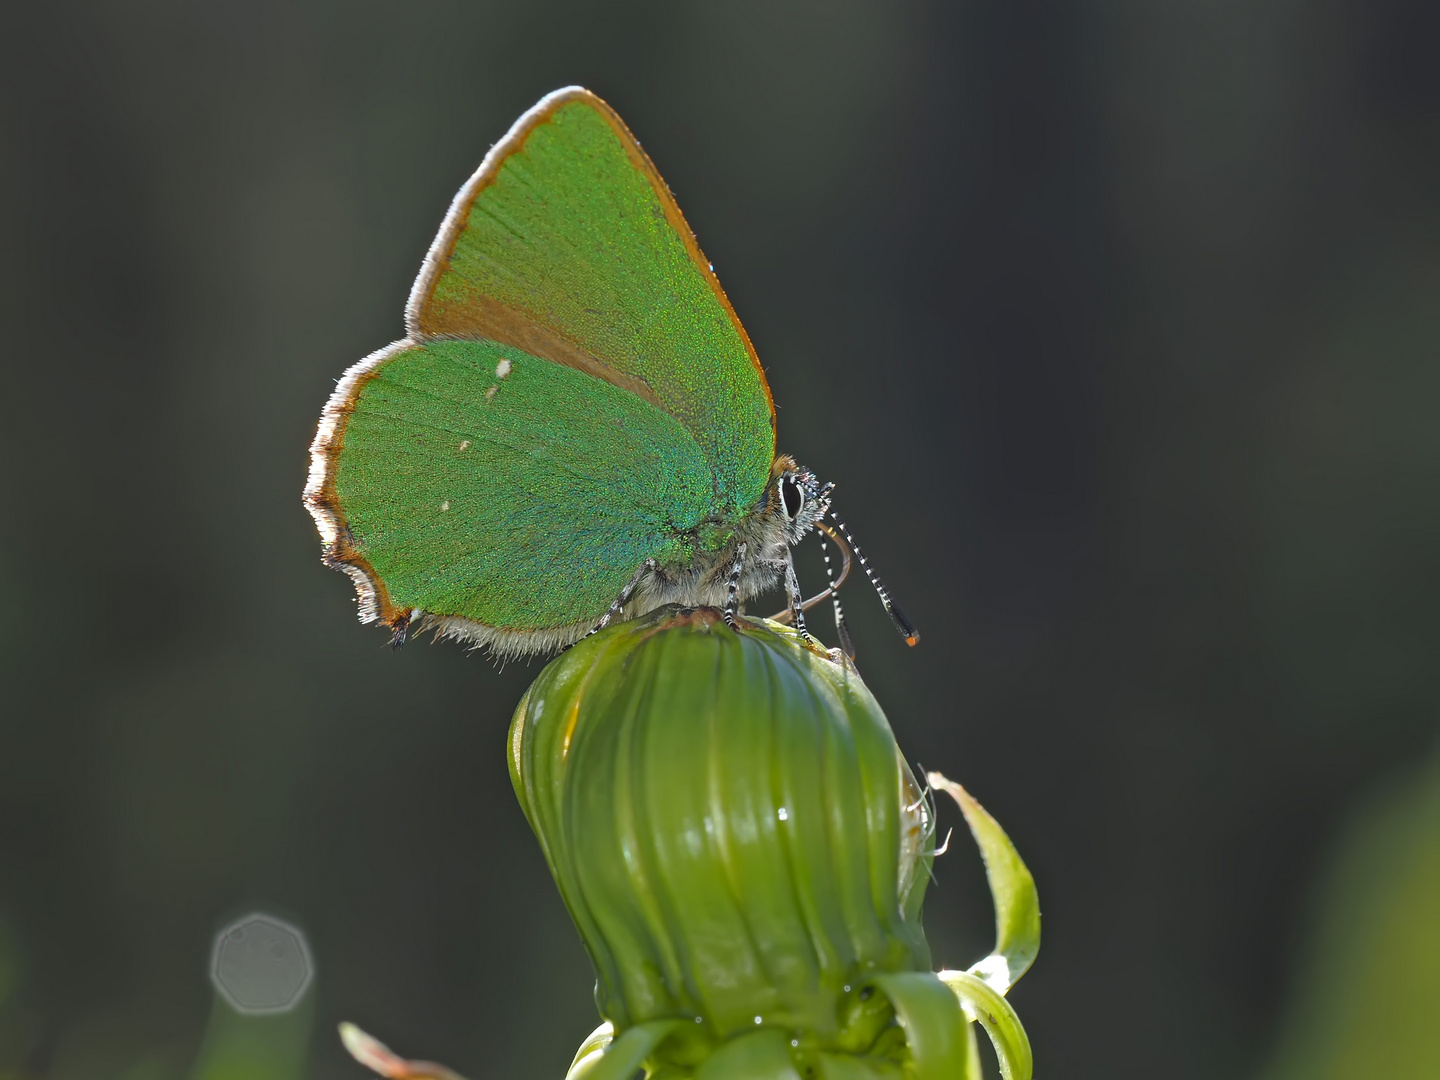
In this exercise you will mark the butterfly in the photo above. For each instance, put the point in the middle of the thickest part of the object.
(575, 427)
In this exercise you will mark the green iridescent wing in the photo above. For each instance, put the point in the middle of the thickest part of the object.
(575, 394)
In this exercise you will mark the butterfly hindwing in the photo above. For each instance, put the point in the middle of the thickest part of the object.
(523, 500)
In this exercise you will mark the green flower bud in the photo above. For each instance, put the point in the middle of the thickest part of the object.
(737, 836)
(744, 852)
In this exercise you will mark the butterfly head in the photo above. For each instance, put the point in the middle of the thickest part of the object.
(797, 498)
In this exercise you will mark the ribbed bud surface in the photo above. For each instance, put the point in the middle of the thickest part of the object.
(732, 827)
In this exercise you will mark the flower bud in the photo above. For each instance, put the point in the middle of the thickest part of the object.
(735, 833)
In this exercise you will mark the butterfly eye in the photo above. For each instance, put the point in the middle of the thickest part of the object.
(792, 498)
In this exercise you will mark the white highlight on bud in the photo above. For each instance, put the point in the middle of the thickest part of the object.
(994, 970)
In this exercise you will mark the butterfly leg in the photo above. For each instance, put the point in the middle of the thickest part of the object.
(624, 598)
(731, 604)
(797, 598)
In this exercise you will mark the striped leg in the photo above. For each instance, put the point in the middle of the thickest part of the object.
(731, 603)
(797, 598)
(624, 597)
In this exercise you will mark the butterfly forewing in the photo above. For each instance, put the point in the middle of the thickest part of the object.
(569, 228)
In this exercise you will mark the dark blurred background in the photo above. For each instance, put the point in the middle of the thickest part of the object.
(1116, 323)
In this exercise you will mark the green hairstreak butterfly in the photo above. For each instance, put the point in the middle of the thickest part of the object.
(575, 426)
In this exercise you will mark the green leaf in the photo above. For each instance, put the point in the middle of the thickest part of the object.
(1017, 905)
(972, 1050)
(935, 1027)
(984, 1003)
(622, 1058)
(1367, 993)
(595, 1043)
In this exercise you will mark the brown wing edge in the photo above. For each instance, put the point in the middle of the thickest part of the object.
(339, 551)
(437, 259)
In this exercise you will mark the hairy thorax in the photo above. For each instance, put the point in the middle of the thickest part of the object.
(768, 531)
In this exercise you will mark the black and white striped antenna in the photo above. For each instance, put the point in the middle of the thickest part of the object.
(842, 631)
(902, 624)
